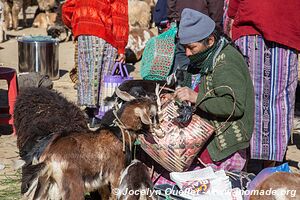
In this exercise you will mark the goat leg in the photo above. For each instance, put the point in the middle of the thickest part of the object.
(17, 5)
(114, 188)
(6, 13)
(24, 6)
(71, 185)
(104, 192)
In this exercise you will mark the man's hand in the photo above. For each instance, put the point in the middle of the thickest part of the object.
(121, 58)
(186, 94)
(166, 97)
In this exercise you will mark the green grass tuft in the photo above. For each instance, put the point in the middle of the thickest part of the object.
(10, 185)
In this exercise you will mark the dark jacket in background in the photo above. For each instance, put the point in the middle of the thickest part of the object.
(160, 11)
(212, 8)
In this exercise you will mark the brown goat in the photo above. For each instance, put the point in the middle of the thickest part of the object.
(137, 40)
(11, 11)
(278, 186)
(139, 14)
(88, 161)
(43, 20)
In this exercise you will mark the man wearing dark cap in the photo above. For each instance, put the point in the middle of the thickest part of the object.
(222, 90)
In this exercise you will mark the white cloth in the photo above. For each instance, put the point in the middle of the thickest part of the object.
(205, 184)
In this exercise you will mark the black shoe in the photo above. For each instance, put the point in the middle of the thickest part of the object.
(90, 112)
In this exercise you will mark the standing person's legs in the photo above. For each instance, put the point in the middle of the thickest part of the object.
(274, 73)
(110, 54)
(90, 59)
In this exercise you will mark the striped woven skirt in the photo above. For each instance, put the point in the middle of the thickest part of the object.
(273, 69)
(96, 58)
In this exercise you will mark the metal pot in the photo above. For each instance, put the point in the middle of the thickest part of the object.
(39, 54)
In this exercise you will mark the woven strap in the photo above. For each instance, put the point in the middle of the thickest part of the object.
(234, 104)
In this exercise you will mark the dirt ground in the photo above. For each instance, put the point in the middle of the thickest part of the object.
(8, 151)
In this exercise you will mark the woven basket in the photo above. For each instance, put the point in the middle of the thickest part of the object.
(158, 55)
(178, 148)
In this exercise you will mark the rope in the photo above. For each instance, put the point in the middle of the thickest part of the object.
(234, 104)
(164, 88)
(202, 163)
(124, 130)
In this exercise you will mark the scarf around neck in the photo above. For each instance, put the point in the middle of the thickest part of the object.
(204, 61)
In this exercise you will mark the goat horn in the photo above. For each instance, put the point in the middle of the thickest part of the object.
(158, 96)
(123, 95)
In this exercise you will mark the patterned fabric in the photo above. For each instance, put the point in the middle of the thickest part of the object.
(105, 19)
(95, 59)
(273, 68)
(204, 61)
(227, 21)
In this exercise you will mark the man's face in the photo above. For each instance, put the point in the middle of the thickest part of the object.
(198, 47)
(194, 48)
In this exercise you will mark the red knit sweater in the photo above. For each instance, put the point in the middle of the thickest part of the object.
(107, 19)
(276, 20)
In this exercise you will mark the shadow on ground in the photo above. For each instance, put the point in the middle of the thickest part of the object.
(62, 72)
(4, 129)
(130, 68)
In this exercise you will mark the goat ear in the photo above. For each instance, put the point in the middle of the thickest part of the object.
(123, 95)
(142, 114)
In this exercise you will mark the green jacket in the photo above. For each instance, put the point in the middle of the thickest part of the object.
(229, 75)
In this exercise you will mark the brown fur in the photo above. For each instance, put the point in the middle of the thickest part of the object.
(136, 44)
(11, 12)
(139, 14)
(47, 5)
(89, 161)
(2, 27)
(43, 20)
(13, 7)
(281, 181)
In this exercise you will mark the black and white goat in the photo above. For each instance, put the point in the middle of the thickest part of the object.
(135, 183)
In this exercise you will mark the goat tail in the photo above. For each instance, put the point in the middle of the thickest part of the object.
(39, 183)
